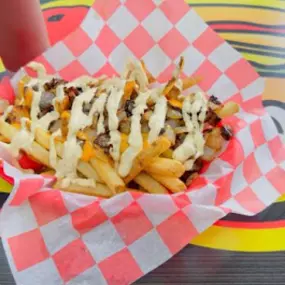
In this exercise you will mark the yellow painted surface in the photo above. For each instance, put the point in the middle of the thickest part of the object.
(250, 240)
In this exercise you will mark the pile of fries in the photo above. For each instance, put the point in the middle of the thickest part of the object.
(102, 136)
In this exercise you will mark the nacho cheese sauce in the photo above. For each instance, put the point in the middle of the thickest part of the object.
(107, 97)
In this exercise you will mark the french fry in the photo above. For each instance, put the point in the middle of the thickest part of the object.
(175, 103)
(21, 90)
(65, 116)
(100, 155)
(227, 109)
(150, 77)
(48, 173)
(35, 150)
(146, 155)
(28, 97)
(170, 84)
(136, 190)
(3, 139)
(190, 81)
(100, 189)
(108, 174)
(172, 183)
(64, 104)
(214, 139)
(149, 184)
(42, 137)
(168, 153)
(166, 166)
(124, 142)
(88, 151)
(129, 88)
(88, 171)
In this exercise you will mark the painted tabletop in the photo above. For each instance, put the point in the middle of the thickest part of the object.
(237, 249)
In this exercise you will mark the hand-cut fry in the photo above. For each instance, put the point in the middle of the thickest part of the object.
(166, 166)
(3, 139)
(48, 173)
(17, 113)
(42, 137)
(88, 151)
(99, 154)
(170, 84)
(129, 88)
(21, 90)
(65, 116)
(190, 81)
(175, 103)
(35, 150)
(168, 153)
(150, 77)
(136, 190)
(124, 142)
(146, 155)
(149, 184)
(214, 140)
(172, 183)
(28, 97)
(100, 189)
(108, 174)
(88, 171)
(227, 110)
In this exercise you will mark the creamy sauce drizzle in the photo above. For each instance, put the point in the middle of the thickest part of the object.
(135, 138)
(157, 119)
(6, 113)
(113, 121)
(52, 149)
(194, 113)
(22, 140)
(39, 68)
(134, 71)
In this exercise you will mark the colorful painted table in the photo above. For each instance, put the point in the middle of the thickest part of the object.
(237, 249)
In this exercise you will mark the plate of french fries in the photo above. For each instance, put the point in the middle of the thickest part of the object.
(103, 136)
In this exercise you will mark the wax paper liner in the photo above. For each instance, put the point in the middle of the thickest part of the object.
(53, 237)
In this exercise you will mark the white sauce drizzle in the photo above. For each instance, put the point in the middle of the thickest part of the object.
(22, 140)
(134, 71)
(157, 119)
(39, 68)
(135, 139)
(79, 181)
(113, 121)
(193, 145)
(100, 104)
(6, 113)
(52, 149)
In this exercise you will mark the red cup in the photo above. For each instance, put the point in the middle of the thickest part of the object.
(23, 34)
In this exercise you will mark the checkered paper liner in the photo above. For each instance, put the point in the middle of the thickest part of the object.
(53, 237)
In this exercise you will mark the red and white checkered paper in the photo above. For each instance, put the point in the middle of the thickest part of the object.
(52, 237)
